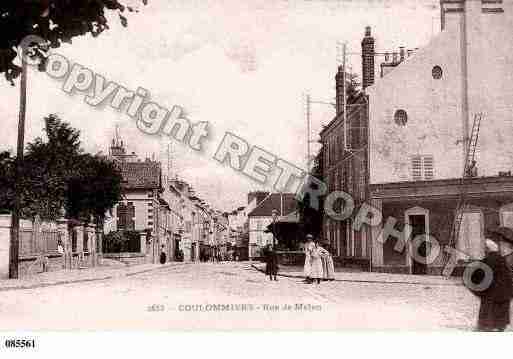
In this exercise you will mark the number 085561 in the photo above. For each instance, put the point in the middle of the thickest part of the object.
(20, 343)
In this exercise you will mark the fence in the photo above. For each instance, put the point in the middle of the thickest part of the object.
(33, 243)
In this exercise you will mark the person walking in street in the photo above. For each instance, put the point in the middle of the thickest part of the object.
(328, 268)
(271, 262)
(494, 310)
(307, 269)
(163, 256)
(313, 263)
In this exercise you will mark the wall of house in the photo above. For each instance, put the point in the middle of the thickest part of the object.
(145, 209)
(480, 214)
(476, 69)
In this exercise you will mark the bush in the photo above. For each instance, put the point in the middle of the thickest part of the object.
(122, 241)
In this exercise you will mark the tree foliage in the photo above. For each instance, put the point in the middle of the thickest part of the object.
(59, 179)
(57, 21)
(310, 218)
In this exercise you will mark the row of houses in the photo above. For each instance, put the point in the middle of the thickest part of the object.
(402, 143)
(166, 213)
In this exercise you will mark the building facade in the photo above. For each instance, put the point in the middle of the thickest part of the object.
(421, 115)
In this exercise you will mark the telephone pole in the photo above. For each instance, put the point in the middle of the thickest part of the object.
(15, 218)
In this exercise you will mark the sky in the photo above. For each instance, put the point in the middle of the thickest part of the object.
(242, 66)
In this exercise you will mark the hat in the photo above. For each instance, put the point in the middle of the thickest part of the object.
(309, 237)
(504, 233)
(491, 246)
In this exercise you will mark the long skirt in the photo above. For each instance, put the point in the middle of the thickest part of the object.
(316, 268)
(328, 268)
(493, 315)
(307, 269)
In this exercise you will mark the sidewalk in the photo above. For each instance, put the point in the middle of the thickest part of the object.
(351, 275)
(67, 276)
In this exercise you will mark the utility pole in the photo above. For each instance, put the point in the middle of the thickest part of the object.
(308, 132)
(15, 218)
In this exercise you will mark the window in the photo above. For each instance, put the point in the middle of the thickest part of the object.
(400, 117)
(74, 240)
(85, 241)
(437, 72)
(422, 167)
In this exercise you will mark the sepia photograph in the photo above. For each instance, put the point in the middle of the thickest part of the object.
(255, 166)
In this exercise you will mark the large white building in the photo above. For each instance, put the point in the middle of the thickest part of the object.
(424, 108)
(421, 115)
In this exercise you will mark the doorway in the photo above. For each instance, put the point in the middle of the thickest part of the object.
(418, 226)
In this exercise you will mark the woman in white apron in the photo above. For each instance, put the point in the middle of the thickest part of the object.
(307, 270)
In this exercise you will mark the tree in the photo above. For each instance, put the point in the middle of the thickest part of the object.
(56, 21)
(310, 218)
(352, 87)
(59, 179)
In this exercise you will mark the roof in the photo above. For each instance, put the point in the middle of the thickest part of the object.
(292, 217)
(273, 201)
(140, 175)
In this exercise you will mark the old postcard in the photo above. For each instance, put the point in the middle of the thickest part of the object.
(257, 165)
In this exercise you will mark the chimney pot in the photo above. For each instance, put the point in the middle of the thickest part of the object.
(387, 56)
(402, 53)
(367, 31)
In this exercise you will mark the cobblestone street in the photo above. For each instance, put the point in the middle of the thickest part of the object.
(184, 297)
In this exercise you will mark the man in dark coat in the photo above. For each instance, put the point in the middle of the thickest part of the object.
(271, 262)
(494, 310)
(163, 256)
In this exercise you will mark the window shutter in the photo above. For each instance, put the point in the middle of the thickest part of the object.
(416, 163)
(428, 168)
(422, 167)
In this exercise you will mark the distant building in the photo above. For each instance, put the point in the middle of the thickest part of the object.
(260, 217)
(141, 205)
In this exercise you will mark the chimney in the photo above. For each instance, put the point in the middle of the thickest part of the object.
(368, 69)
(402, 53)
(339, 89)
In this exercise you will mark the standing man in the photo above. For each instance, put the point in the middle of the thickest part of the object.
(271, 259)
(494, 310)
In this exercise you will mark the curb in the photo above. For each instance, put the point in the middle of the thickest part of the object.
(368, 281)
(83, 280)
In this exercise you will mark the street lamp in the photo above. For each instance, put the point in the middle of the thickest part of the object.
(274, 213)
